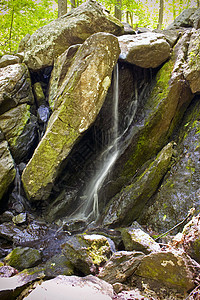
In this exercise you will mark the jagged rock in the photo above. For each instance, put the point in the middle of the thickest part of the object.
(7, 60)
(127, 205)
(49, 41)
(77, 105)
(120, 266)
(171, 269)
(39, 94)
(22, 258)
(7, 169)
(188, 18)
(171, 36)
(191, 233)
(60, 69)
(19, 128)
(19, 219)
(15, 87)
(7, 271)
(128, 29)
(146, 50)
(192, 67)
(87, 252)
(135, 238)
(180, 189)
(73, 287)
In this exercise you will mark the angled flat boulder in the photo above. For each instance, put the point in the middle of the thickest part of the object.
(146, 50)
(78, 102)
(51, 40)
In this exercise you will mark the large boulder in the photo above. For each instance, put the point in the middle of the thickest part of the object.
(48, 42)
(188, 18)
(78, 102)
(126, 206)
(146, 50)
(192, 67)
(7, 168)
(15, 87)
(7, 60)
(19, 128)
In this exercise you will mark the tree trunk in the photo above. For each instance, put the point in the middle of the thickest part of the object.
(197, 3)
(10, 31)
(62, 7)
(118, 12)
(160, 19)
(73, 4)
(174, 9)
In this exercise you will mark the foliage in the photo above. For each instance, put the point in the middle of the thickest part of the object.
(19, 17)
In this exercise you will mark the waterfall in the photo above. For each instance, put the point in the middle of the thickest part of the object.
(89, 208)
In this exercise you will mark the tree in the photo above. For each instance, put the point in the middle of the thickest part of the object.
(118, 13)
(161, 11)
(62, 7)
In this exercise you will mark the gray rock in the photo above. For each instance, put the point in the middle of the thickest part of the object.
(135, 238)
(192, 66)
(50, 41)
(73, 287)
(77, 104)
(171, 36)
(23, 258)
(7, 60)
(125, 207)
(171, 269)
(7, 169)
(19, 128)
(146, 50)
(128, 29)
(188, 18)
(87, 252)
(15, 87)
(19, 219)
(39, 94)
(120, 266)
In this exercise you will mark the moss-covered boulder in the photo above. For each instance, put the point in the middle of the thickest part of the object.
(7, 60)
(15, 87)
(78, 102)
(87, 252)
(191, 233)
(171, 269)
(19, 127)
(146, 50)
(7, 168)
(23, 258)
(126, 206)
(192, 68)
(135, 238)
(49, 41)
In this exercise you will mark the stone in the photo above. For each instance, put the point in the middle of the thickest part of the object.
(171, 36)
(188, 18)
(51, 40)
(135, 238)
(15, 87)
(7, 60)
(126, 206)
(168, 268)
(128, 29)
(191, 240)
(180, 189)
(195, 19)
(22, 258)
(78, 102)
(120, 266)
(7, 271)
(87, 252)
(39, 94)
(19, 219)
(192, 66)
(146, 50)
(19, 128)
(7, 168)
(73, 287)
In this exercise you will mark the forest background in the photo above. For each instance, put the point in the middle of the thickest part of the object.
(21, 17)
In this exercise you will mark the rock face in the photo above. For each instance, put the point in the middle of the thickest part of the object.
(192, 68)
(188, 18)
(48, 42)
(126, 206)
(73, 287)
(7, 60)
(15, 87)
(166, 267)
(7, 169)
(78, 102)
(146, 50)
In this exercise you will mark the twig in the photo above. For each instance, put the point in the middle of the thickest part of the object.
(190, 213)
